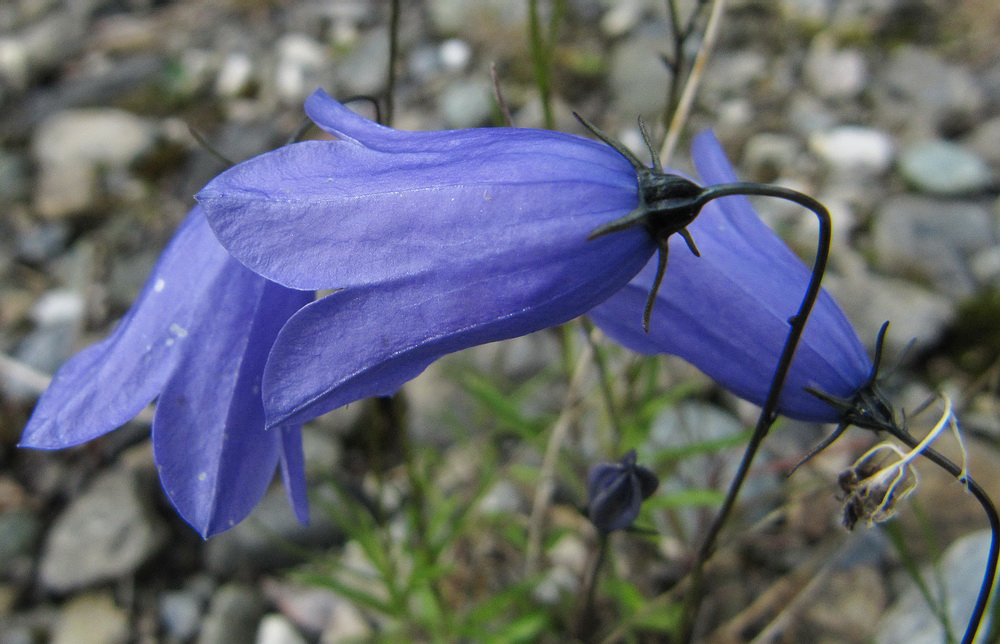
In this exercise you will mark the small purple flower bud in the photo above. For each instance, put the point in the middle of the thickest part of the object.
(616, 492)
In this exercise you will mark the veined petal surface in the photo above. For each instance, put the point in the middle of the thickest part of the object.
(214, 457)
(727, 312)
(338, 214)
(369, 340)
(107, 384)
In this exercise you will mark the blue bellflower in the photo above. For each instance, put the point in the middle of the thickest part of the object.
(435, 241)
(197, 338)
(727, 311)
(616, 492)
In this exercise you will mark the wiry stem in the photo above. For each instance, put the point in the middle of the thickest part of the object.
(691, 88)
(769, 413)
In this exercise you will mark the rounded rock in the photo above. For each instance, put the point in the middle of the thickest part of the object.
(850, 148)
(943, 168)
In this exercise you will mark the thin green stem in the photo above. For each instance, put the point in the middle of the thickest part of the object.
(390, 92)
(604, 377)
(541, 58)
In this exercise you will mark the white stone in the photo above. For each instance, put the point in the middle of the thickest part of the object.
(234, 74)
(833, 73)
(91, 618)
(276, 629)
(852, 148)
(58, 306)
(455, 54)
(104, 136)
(299, 57)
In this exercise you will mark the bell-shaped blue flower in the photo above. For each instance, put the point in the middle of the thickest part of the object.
(433, 241)
(197, 338)
(616, 492)
(727, 311)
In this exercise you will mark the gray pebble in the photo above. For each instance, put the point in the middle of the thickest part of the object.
(933, 240)
(180, 614)
(869, 300)
(235, 75)
(365, 70)
(502, 498)
(769, 154)
(943, 168)
(73, 146)
(58, 317)
(43, 241)
(729, 75)
(459, 17)
(19, 532)
(853, 149)
(923, 94)
(14, 182)
(39, 47)
(455, 55)
(911, 621)
(637, 76)
(66, 189)
(91, 618)
(984, 141)
(249, 547)
(467, 104)
(108, 136)
(232, 616)
(832, 73)
(808, 114)
(105, 533)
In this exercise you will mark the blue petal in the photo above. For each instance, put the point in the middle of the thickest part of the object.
(727, 312)
(341, 122)
(336, 214)
(293, 471)
(336, 119)
(369, 340)
(214, 457)
(107, 384)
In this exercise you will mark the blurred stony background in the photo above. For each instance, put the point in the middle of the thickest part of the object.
(886, 110)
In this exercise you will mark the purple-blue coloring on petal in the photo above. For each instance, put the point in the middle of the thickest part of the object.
(727, 312)
(435, 241)
(198, 337)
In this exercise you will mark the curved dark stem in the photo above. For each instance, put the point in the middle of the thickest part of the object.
(208, 147)
(982, 601)
(586, 611)
(769, 412)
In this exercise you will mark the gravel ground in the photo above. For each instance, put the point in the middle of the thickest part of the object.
(886, 110)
